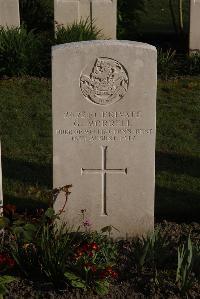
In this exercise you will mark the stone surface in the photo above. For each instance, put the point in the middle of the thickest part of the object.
(103, 12)
(1, 188)
(104, 122)
(9, 13)
(194, 25)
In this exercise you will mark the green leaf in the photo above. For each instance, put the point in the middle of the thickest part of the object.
(18, 222)
(28, 236)
(144, 253)
(71, 276)
(4, 222)
(107, 229)
(6, 279)
(18, 230)
(75, 281)
(50, 213)
(2, 290)
(30, 227)
(78, 284)
(102, 287)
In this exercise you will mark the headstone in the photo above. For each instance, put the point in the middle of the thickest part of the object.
(104, 122)
(195, 25)
(103, 12)
(1, 188)
(9, 13)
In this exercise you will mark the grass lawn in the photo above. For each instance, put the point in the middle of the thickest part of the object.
(26, 135)
(177, 150)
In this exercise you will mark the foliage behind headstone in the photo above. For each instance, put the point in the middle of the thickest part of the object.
(129, 15)
(37, 14)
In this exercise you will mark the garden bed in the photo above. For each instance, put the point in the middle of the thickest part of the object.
(156, 278)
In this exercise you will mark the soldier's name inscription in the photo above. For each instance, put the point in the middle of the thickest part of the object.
(102, 126)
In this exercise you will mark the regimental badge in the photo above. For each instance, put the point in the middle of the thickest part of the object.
(107, 83)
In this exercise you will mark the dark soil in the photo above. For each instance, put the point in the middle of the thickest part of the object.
(130, 284)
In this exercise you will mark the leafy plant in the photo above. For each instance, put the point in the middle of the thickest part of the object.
(37, 14)
(129, 17)
(4, 280)
(26, 257)
(184, 267)
(22, 246)
(159, 246)
(141, 249)
(194, 64)
(166, 63)
(78, 31)
(20, 52)
(93, 262)
(196, 264)
(149, 250)
(56, 247)
(31, 237)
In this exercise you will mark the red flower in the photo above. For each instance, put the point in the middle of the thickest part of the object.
(93, 268)
(2, 259)
(94, 246)
(114, 274)
(79, 253)
(103, 274)
(85, 247)
(109, 270)
(10, 262)
(5, 260)
(9, 209)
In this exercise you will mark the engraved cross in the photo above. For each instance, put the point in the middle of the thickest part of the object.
(103, 171)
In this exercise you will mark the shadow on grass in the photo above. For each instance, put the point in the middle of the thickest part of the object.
(172, 204)
(179, 206)
(28, 205)
(28, 172)
(178, 164)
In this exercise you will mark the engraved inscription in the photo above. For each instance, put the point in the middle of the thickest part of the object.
(106, 84)
(108, 126)
(103, 171)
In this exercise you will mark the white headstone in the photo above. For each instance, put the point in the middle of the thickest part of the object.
(103, 12)
(9, 13)
(194, 25)
(1, 188)
(104, 122)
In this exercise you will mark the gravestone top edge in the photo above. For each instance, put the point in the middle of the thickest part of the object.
(106, 43)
